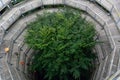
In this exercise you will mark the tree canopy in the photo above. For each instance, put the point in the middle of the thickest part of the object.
(64, 41)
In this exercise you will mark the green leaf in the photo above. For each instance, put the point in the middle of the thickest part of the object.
(63, 42)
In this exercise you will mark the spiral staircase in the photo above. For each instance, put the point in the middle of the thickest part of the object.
(13, 23)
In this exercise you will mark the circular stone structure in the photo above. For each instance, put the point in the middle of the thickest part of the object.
(13, 25)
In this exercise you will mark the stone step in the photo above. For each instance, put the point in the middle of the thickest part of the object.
(106, 67)
(116, 63)
(18, 41)
(22, 75)
(106, 4)
(14, 33)
(7, 75)
(112, 8)
(101, 69)
(14, 73)
(52, 2)
(99, 10)
(23, 49)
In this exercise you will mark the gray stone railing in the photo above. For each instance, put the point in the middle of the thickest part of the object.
(108, 5)
(4, 3)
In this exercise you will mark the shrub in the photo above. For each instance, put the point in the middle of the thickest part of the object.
(64, 40)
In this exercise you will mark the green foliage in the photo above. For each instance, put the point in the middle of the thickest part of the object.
(65, 41)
